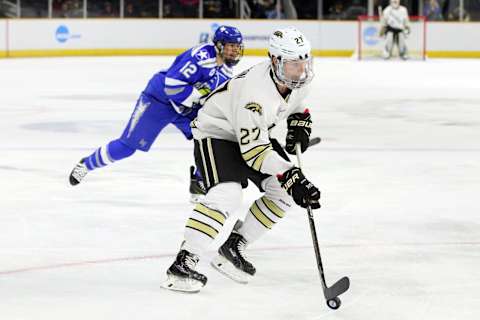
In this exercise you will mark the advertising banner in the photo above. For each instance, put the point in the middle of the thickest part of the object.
(63, 37)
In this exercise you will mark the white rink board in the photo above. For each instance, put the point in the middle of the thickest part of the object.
(453, 36)
(3, 36)
(168, 34)
(57, 34)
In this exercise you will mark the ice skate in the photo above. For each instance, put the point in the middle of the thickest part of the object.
(231, 260)
(78, 173)
(181, 276)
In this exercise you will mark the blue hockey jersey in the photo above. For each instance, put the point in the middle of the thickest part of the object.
(181, 85)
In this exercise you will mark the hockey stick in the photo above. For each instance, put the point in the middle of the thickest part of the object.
(313, 142)
(331, 293)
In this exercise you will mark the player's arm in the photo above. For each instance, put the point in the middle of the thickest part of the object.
(406, 21)
(181, 78)
(384, 16)
(257, 151)
(222, 74)
(299, 128)
(253, 138)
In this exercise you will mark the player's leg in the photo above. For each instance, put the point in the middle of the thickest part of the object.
(197, 187)
(387, 52)
(204, 224)
(262, 215)
(402, 46)
(147, 120)
(223, 168)
(266, 211)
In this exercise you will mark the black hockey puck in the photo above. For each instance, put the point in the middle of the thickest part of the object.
(334, 303)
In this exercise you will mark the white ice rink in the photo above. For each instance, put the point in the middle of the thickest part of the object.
(399, 170)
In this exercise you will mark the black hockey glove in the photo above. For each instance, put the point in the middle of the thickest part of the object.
(303, 192)
(299, 129)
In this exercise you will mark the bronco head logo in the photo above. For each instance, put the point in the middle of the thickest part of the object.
(278, 34)
(254, 107)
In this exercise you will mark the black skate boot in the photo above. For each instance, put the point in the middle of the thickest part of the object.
(78, 173)
(181, 276)
(197, 188)
(231, 260)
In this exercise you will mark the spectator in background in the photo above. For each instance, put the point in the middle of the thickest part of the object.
(306, 9)
(336, 12)
(260, 8)
(355, 10)
(454, 15)
(149, 8)
(33, 9)
(284, 9)
(273, 9)
(184, 8)
(67, 8)
(108, 11)
(76, 10)
(131, 11)
(219, 8)
(432, 10)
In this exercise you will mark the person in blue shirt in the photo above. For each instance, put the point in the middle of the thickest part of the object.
(171, 97)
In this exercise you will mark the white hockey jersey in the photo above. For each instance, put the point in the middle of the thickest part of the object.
(243, 110)
(396, 18)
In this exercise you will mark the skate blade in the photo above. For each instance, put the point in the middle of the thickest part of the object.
(175, 283)
(226, 268)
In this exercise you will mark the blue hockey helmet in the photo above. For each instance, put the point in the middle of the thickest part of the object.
(229, 35)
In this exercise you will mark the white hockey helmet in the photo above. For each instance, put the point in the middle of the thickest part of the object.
(395, 3)
(293, 66)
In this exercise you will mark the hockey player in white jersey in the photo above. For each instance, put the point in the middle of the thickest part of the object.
(232, 146)
(395, 27)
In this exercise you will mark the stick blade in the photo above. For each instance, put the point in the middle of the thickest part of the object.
(338, 288)
(314, 141)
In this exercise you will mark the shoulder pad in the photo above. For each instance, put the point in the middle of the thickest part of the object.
(205, 55)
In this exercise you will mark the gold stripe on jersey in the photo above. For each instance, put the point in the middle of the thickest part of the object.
(261, 217)
(257, 164)
(207, 180)
(212, 161)
(255, 151)
(212, 214)
(270, 205)
(202, 227)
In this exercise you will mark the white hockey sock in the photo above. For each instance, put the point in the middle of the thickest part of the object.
(208, 217)
(202, 227)
(261, 217)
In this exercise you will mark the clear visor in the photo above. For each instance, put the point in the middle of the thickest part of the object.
(295, 73)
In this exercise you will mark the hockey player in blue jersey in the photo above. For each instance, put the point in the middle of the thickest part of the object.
(171, 97)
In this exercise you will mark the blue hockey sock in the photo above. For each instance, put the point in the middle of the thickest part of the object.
(103, 156)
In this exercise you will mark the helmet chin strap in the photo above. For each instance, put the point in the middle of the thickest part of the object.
(276, 78)
(220, 50)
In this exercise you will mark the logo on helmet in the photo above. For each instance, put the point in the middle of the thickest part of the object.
(254, 107)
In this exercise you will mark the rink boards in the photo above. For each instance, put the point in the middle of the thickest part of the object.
(106, 37)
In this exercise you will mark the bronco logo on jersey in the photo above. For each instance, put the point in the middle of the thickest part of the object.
(254, 107)
(278, 34)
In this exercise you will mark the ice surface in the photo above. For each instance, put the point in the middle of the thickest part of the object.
(399, 170)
